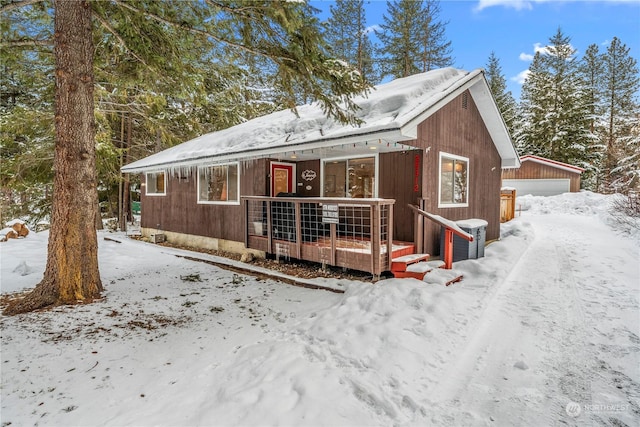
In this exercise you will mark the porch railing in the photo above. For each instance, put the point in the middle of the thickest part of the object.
(350, 233)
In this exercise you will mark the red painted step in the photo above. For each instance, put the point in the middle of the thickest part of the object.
(399, 266)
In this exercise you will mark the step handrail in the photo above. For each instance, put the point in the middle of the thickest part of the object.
(446, 223)
(450, 228)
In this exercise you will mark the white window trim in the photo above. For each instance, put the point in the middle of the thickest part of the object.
(339, 159)
(146, 180)
(218, 202)
(454, 157)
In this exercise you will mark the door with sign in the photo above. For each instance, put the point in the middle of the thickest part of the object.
(283, 178)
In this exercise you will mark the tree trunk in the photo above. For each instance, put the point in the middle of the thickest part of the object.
(71, 275)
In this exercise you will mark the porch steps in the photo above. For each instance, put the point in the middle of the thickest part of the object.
(411, 265)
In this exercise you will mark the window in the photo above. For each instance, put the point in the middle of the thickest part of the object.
(218, 184)
(454, 185)
(156, 183)
(353, 178)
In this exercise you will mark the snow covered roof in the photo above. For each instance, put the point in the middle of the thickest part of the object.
(552, 163)
(390, 115)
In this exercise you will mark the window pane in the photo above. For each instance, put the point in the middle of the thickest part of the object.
(446, 180)
(155, 183)
(218, 183)
(232, 186)
(453, 180)
(361, 177)
(350, 178)
(460, 182)
(335, 179)
(160, 182)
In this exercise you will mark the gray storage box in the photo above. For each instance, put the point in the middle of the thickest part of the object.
(463, 249)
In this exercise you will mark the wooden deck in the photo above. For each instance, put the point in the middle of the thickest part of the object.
(349, 233)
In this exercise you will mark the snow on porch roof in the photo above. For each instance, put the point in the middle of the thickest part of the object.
(390, 114)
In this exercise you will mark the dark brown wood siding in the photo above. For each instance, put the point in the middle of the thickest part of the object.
(398, 181)
(458, 129)
(179, 211)
(535, 170)
(311, 167)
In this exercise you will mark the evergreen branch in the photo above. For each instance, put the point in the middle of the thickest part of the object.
(17, 4)
(22, 43)
(232, 10)
(200, 32)
(117, 36)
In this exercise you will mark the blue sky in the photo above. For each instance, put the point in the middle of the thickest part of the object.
(513, 29)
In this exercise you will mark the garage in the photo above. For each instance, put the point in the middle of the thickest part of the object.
(540, 176)
(538, 187)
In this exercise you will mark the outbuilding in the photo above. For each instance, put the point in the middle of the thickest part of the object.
(434, 140)
(540, 176)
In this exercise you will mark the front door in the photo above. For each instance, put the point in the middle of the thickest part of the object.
(283, 178)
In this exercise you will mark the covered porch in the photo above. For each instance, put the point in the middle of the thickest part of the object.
(350, 233)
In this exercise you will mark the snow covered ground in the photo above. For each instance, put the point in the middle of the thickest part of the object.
(544, 330)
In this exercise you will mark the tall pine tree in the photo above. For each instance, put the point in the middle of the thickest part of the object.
(590, 70)
(435, 49)
(26, 114)
(621, 83)
(400, 38)
(284, 33)
(348, 37)
(412, 38)
(498, 85)
(555, 105)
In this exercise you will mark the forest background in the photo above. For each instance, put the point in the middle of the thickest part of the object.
(157, 86)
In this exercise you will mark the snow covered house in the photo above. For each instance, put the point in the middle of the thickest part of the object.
(540, 176)
(435, 140)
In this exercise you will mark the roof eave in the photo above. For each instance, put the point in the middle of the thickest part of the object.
(393, 133)
(477, 85)
(553, 163)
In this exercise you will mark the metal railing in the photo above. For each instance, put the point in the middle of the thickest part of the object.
(349, 233)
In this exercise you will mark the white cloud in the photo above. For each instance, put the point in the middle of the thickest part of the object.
(537, 47)
(521, 77)
(515, 4)
(528, 4)
(372, 28)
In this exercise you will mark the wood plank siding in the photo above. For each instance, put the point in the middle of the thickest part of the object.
(458, 129)
(397, 175)
(180, 212)
(535, 170)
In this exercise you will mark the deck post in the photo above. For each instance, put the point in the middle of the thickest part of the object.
(298, 216)
(269, 228)
(333, 235)
(389, 238)
(419, 229)
(374, 214)
(246, 222)
(448, 248)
